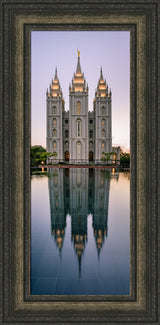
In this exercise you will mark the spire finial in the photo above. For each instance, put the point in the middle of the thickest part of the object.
(78, 53)
(101, 75)
(78, 70)
(55, 77)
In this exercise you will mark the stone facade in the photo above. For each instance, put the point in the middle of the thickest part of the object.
(80, 136)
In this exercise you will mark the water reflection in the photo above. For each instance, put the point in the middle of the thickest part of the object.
(80, 232)
(79, 192)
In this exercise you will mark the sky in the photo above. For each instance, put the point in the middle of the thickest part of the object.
(109, 49)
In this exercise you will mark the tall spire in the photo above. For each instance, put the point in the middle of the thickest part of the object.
(78, 80)
(101, 74)
(55, 77)
(78, 70)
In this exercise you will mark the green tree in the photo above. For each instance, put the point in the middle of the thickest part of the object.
(39, 155)
(125, 159)
(107, 156)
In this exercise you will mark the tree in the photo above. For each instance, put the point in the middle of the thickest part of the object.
(39, 155)
(125, 159)
(107, 156)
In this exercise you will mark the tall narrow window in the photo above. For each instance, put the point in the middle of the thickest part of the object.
(54, 110)
(78, 150)
(78, 128)
(103, 145)
(66, 133)
(103, 122)
(54, 122)
(54, 145)
(103, 133)
(54, 133)
(103, 110)
(78, 107)
(91, 134)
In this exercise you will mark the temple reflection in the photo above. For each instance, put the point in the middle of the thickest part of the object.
(79, 192)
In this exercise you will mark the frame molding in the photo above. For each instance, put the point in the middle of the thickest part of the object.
(18, 19)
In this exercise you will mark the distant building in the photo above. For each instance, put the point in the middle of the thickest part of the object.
(79, 136)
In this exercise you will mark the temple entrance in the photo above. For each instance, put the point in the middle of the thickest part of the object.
(90, 156)
(66, 156)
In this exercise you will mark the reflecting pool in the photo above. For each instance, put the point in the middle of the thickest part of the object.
(80, 232)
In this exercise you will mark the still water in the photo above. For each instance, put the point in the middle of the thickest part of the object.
(80, 232)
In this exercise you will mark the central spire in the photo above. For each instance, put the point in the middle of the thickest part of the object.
(78, 70)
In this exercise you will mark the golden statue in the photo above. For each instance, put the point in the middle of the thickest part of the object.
(78, 52)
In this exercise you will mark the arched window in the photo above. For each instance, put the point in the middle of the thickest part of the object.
(102, 110)
(54, 133)
(66, 133)
(66, 121)
(54, 122)
(90, 121)
(78, 128)
(103, 133)
(54, 145)
(103, 145)
(103, 122)
(91, 134)
(54, 110)
(78, 150)
(78, 107)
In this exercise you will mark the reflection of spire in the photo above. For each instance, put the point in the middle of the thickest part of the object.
(59, 237)
(99, 234)
(100, 214)
(79, 245)
(79, 263)
(57, 206)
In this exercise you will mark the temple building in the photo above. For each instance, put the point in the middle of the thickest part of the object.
(80, 136)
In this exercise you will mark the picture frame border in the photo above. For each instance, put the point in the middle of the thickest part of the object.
(17, 19)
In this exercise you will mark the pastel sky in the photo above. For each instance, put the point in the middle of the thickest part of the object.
(109, 49)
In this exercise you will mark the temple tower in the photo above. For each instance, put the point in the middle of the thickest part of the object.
(103, 119)
(78, 117)
(55, 109)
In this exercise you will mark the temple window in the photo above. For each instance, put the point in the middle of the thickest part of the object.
(103, 122)
(54, 110)
(78, 107)
(54, 133)
(78, 128)
(103, 133)
(66, 133)
(54, 122)
(54, 145)
(103, 145)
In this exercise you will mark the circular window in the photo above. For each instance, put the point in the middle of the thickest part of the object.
(66, 121)
(91, 121)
